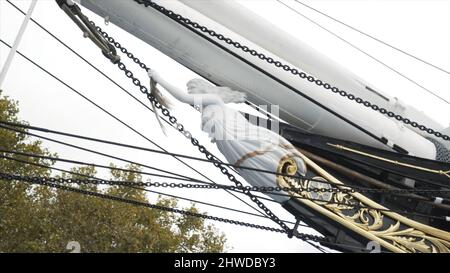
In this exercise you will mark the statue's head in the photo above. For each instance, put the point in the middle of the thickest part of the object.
(199, 86)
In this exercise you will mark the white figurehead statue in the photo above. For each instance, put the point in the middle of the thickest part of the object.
(242, 143)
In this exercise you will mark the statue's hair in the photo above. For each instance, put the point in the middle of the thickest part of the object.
(199, 86)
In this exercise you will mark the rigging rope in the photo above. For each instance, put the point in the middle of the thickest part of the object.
(98, 165)
(365, 53)
(373, 38)
(356, 189)
(138, 148)
(174, 175)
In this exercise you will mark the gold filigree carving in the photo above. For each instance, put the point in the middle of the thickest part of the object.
(352, 212)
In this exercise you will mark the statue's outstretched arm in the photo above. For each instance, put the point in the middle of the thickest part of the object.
(192, 99)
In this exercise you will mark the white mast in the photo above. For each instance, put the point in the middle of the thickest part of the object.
(19, 36)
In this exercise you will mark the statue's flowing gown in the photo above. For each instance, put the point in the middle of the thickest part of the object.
(247, 145)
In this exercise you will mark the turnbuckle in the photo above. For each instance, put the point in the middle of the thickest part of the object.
(89, 31)
(294, 232)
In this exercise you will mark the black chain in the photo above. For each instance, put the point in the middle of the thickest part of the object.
(56, 183)
(173, 185)
(183, 20)
(216, 161)
(61, 181)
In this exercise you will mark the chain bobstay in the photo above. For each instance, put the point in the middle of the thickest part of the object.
(187, 22)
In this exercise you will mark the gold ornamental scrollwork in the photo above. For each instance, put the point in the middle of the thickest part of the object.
(358, 213)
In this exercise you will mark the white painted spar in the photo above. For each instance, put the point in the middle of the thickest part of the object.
(222, 68)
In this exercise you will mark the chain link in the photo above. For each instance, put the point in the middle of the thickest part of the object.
(180, 19)
(56, 183)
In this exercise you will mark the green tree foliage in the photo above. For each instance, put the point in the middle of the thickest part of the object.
(39, 219)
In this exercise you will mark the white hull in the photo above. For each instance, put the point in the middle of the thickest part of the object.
(223, 68)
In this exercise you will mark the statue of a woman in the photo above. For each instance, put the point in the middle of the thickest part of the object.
(242, 143)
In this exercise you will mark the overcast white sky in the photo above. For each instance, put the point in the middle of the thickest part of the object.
(419, 27)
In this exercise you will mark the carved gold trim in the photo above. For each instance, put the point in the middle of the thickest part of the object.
(404, 235)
